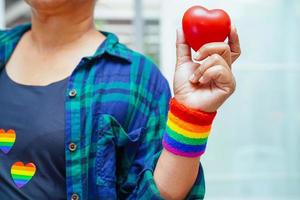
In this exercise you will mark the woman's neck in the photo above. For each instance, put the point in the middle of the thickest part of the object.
(53, 30)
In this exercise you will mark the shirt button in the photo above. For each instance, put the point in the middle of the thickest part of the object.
(72, 146)
(75, 196)
(72, 93)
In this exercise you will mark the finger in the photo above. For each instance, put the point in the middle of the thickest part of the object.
(234, 43)
(218, 74)
(211, 61)
(182, 48)
(209, 49)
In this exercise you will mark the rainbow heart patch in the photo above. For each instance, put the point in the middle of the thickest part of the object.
(7, 140)
(21, 173)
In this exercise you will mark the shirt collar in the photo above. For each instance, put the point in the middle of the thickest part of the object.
(110, 45)
(9, 40)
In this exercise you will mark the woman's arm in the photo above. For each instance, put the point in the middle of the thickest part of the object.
(175, 175)
(202, 87)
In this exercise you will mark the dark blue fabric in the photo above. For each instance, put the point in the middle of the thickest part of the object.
(36, 114)
(120, 94)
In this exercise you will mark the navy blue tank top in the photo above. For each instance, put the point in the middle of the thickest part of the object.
(32, 130)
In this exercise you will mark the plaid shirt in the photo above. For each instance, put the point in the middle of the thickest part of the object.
(116, 108)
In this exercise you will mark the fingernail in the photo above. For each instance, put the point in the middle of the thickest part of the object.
(192, 77)
(197, 56)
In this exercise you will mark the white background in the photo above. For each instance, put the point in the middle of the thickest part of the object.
(254, 149)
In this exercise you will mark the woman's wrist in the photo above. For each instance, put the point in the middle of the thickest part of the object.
(204, 106)
(187, 130)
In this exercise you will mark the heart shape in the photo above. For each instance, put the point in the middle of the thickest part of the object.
(21, 173)
(7, 140)
(202, 26)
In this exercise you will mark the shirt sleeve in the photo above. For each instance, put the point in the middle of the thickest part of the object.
(139, 183)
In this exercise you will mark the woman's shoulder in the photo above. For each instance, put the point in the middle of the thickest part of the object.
(140, 67)
(9, 34)
(145, 68)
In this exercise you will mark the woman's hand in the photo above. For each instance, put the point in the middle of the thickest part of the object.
(207, 85)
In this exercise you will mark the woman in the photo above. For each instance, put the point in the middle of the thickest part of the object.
(83, 117)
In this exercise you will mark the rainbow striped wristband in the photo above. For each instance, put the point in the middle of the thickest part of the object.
(187, 130)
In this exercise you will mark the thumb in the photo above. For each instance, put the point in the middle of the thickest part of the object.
(183, 50)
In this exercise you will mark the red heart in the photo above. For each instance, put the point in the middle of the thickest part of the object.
(203, 26)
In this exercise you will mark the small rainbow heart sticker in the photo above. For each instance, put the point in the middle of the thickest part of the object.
(7, 140)
(21, 173)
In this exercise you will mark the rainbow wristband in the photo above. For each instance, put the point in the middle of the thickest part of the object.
(187, 130)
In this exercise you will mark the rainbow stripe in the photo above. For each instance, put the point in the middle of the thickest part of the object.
(21, 173)
(7, 140)
(187, 130)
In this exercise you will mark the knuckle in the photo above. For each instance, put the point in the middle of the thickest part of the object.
(178, 61)
(182, 59)
(220, 70)
(240, 52)
(227, 48)
(215, 57)
(233, 83)
(233, 87)
(223, 70)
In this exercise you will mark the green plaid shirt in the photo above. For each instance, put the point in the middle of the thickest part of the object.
(116, 107)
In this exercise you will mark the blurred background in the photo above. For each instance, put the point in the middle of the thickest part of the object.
(254, 149)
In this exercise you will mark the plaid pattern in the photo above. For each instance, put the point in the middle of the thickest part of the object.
(116, 119)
